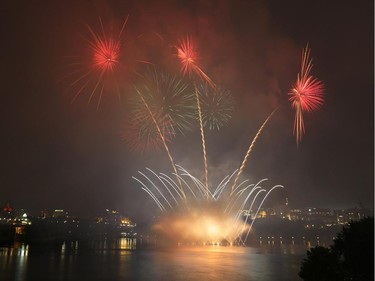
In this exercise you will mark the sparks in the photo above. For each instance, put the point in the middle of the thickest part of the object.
(96, 70)
(169, 99)
(141, 135)
(217, 106)
(188, 56)
(202, 214)
(105, 53)
(306, 94)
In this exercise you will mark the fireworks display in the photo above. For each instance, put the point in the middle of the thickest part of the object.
(190, 216)
(164, 106)
(206, 139)
(95, 91)
(96, 69)
(222, 214)
(306, 94)
(242, 167)
(169, 98)
(188, 56)
(217, 106)
(141, 135)
(105, 51)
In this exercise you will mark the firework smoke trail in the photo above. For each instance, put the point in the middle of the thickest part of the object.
(188, 58)
(163, 140)
(171, 100)
(203, 140)
(251, 147)
(172, 103)
(305, 95)
(140, 135)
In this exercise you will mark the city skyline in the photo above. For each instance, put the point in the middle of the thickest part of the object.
(58, 153)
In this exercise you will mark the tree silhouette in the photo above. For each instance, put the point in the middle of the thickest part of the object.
(351, 257)
(321, 264)
(355, 247)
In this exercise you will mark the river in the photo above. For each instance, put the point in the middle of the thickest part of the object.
(123, 259)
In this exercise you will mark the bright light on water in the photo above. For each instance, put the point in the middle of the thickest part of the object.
(107, 261)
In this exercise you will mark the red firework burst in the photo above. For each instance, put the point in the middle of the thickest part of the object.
(96, 70)
(306, 94)
(188, 56)
(105, 54)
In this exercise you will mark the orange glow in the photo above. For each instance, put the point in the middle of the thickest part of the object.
(202, 223)
(262, 214)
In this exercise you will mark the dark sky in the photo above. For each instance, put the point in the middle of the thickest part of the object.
(55, 154)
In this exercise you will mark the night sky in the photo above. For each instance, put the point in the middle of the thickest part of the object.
(58, 154)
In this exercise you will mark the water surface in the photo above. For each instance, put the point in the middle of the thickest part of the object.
(122, 260)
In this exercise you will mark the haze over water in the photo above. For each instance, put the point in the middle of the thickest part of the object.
(120, 260)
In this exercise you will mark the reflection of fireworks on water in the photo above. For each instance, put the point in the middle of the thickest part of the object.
(216, 219)
(306, 94)
(217, 106)
(97, 70)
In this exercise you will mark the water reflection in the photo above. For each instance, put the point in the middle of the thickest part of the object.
(118, 259)
(106, 245)
(15, 256)
(128, 244)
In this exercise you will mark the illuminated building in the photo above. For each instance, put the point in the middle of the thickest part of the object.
(112, 223)
(59, 213)
(295, 215)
